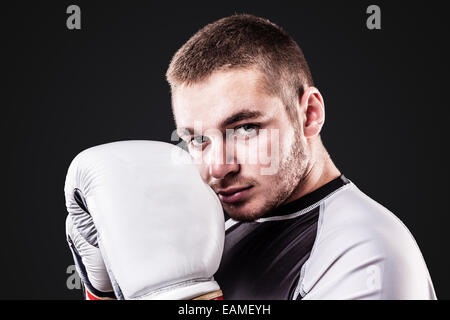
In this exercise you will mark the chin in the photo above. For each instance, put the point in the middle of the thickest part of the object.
(246, 213)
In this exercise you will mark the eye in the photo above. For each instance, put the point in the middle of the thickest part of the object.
(247, 130)
(198, 141)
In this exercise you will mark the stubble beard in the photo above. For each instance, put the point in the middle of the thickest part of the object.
(291, 173)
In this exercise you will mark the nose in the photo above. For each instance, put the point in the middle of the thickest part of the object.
(220, 171)
(222, 161)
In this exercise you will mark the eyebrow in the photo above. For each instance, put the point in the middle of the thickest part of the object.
(236, 117)
(240, 116)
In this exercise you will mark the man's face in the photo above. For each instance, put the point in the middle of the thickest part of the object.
(246, 147)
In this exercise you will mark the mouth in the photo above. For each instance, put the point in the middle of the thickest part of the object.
(234, 194)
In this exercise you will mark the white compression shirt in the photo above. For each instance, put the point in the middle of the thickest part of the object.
(335, 243)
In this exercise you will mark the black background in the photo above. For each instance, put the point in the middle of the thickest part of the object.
(385, 91)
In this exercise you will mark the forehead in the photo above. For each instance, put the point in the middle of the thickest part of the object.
(220, 95)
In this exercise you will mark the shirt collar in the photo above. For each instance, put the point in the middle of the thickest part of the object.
(308, 199)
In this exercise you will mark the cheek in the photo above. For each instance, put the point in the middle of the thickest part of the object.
(267, 147)
(253, 151)
(260, 152)
(203, 170)
(287, 141)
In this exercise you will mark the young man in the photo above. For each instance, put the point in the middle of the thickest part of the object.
(242, 90)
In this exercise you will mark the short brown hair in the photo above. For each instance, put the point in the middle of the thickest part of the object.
(242, 41)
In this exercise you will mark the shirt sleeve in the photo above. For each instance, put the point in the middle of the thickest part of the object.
(364, 255)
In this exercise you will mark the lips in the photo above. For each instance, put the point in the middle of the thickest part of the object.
(233, 195)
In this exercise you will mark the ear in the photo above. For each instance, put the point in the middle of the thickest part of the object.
(314, 112)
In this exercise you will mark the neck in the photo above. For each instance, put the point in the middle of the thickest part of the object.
(320, 171)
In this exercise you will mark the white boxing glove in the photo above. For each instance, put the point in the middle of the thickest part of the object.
(142, 224)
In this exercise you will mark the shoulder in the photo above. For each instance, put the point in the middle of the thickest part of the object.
(352, 216)
(362, 250)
